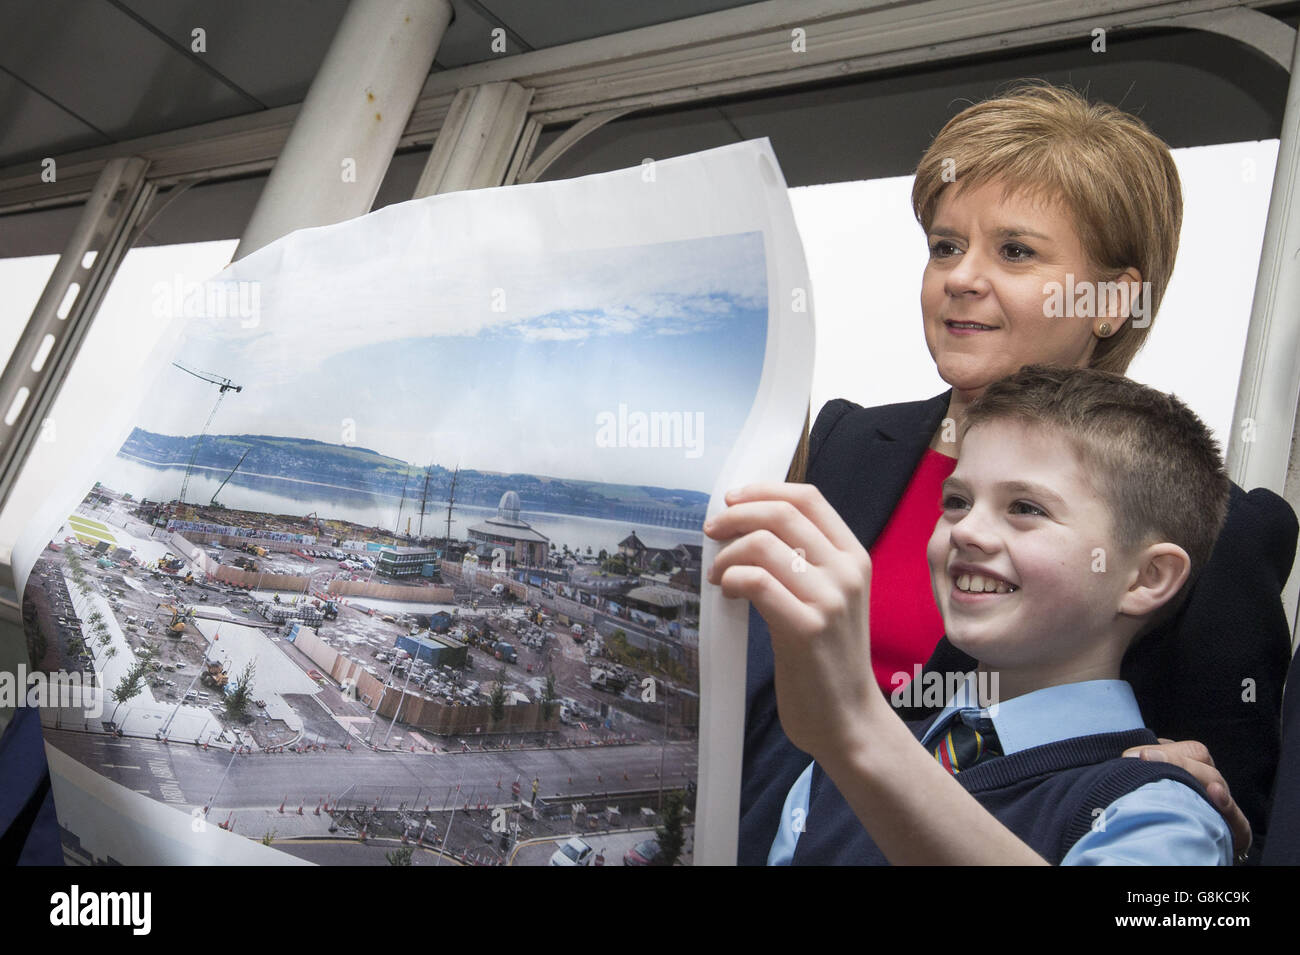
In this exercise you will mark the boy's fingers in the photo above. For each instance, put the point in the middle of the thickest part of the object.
(761, 548)
(782, 610)
(783, 519)
(809, 501)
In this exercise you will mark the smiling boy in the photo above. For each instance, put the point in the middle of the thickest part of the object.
(1081, 506)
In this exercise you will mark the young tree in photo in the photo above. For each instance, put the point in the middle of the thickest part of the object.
(239, 695)
(129, 686)
(671, 833)
(399, 856)
(548, 697)
(498, 697)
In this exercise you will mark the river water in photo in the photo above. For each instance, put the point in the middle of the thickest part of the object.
(279, 495)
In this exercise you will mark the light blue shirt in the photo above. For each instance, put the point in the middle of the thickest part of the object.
(1160, 823)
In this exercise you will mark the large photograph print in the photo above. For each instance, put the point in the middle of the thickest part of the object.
(399, 560)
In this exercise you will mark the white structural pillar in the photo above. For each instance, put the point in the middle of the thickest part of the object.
(49, 344)
(480, 137)
(1264, 420)
(359, 103)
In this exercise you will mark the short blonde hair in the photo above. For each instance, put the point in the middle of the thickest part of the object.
(1116, 178)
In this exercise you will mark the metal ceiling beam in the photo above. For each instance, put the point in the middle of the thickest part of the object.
(567, 140)
(753, 48)
(1251, 28)
(334, 159)
(732, 52)
(478, 139)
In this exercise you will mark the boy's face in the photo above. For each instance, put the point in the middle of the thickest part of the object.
(1023, 525)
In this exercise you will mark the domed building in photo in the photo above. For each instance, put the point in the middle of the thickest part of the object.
(522, 544)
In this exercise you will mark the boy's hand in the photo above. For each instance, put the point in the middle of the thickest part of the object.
(1195, 759)
(801, 567)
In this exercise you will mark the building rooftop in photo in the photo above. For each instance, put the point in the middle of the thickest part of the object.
(657, 595)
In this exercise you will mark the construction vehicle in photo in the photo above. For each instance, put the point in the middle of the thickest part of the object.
(215, 675)
(180, 617)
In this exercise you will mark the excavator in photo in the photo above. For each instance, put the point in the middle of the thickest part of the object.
(180, 617)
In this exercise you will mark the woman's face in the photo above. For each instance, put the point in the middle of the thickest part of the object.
(983, 297)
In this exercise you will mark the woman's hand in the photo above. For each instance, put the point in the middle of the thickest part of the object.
(793, 557)
(1195, 759)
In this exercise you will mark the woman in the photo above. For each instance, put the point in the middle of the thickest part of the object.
(1049, 195)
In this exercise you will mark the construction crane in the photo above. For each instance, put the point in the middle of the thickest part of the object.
(451, 496)
(223, 385)
(397, 528)
(424, 500)
(213, 502)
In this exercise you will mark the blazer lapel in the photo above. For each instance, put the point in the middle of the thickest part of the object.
(867, 459)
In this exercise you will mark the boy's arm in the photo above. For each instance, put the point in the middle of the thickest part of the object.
(806, 573)
(1161, 823)
(916, 812)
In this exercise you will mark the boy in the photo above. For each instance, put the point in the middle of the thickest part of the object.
(1081, 506)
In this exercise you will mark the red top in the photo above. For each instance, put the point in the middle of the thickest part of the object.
(905, 622)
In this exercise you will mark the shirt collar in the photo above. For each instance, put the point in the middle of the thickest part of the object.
(1050, 714)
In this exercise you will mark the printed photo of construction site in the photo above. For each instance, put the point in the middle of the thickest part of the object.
(359, 658)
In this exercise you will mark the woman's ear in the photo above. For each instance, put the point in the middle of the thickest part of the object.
(1128, 286)
(1160, 573)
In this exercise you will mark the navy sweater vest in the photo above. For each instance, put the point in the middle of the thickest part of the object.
(1049, 796)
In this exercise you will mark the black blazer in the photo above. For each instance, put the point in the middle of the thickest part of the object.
(1212, 673)
(1284, 818)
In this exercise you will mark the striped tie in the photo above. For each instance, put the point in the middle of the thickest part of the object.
(963, 745)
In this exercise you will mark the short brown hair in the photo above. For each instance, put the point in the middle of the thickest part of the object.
(1152, 460)
(1114, 176)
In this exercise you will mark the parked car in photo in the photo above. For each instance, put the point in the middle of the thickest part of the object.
(573, 852)
(643, 853)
